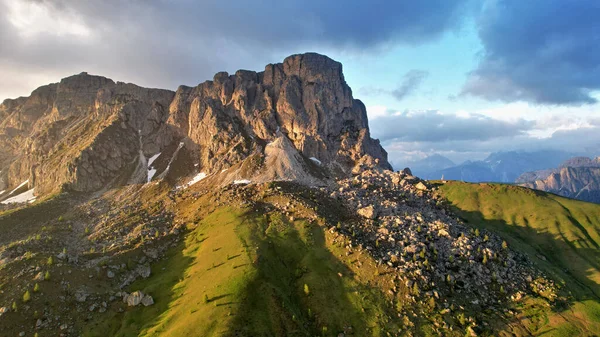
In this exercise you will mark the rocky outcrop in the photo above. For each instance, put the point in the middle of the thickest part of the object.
(408, 226)
(581, 183)
(305, 97)
(577, 178)
(80, 133)
(88, 132)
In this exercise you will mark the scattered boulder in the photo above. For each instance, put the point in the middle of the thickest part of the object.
(420, 186)
(135, 298)
(143, 270)
(147, 300)
(368, 212)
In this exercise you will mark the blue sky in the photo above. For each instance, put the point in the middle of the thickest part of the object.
(460, 78)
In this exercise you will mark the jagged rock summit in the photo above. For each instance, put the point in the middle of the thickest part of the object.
(296, 120)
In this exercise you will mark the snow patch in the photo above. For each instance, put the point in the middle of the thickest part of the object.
(194, 180)
(23, 197)
(197, 178)
(242, 181)
(151, 170)
(152, 159)
(21, 185)
(317, 161)
(151, 173)
(2, 192)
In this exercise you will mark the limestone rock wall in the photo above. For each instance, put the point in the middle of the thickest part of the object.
(86, 132)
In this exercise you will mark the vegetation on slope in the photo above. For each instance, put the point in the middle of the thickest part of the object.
(243, 273)
(561, 235)
(269, 260)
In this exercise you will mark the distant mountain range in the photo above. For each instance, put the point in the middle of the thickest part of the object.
(497, 167)
(557, 172)
(577, 178)
(425, 167)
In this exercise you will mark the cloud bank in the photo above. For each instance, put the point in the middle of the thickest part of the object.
(540, 51)
(165, 43)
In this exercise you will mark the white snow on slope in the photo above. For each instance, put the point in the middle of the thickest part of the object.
(197, 178)
(21, 185)
(194, 180)
(152, 159)
(317, 161)
(1, 192)
(242, 181)
(152, 171)
(23, 197)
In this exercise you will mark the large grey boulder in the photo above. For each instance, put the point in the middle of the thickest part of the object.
(147, 300)
(135, 298)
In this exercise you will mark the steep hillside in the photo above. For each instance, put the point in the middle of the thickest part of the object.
(255, 272)
(376, 255)
(561, 235)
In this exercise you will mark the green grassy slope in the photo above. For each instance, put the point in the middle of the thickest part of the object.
(561, 235)
(242, 273)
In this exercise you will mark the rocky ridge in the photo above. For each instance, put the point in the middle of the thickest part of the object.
(431, 262)
(407, 226)
(88, 132)
(430, 255)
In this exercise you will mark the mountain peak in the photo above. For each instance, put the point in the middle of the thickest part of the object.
(87, 132)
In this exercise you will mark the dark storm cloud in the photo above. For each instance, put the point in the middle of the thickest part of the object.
(167, 43)
(354, 22)
(431, 126)
(541, 51)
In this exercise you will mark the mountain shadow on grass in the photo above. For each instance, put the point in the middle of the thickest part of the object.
(559, 235)
(297, 290)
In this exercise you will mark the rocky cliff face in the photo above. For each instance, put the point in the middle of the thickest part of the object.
(577, 178)
(581, 183)
(305, 97)
(79, 133)
(88, 132)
